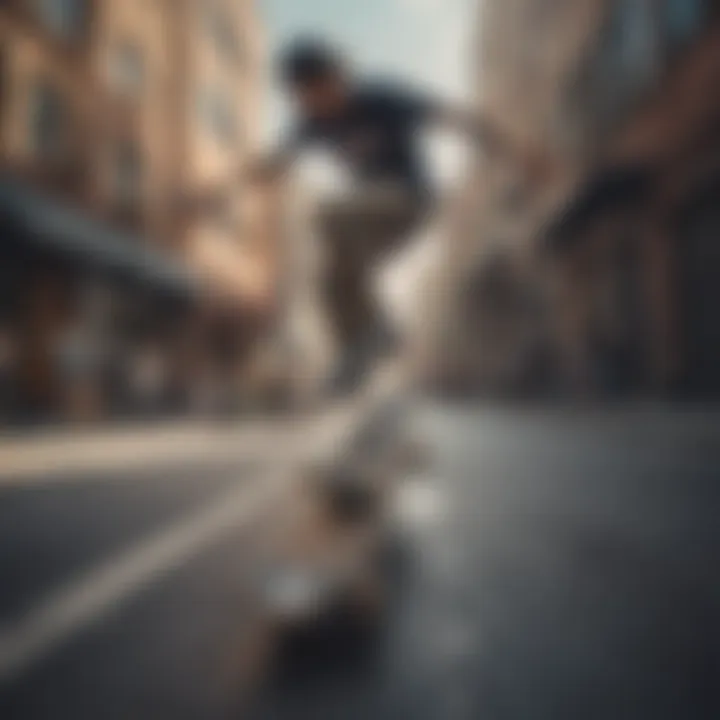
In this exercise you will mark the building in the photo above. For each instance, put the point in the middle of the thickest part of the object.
(108, 110)
(218, 97)
(612, 259)
(635, 245)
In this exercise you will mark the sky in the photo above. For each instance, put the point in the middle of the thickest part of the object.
(423, 41)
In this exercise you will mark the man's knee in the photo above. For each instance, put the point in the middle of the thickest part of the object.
(335, 219)
(367, 220)
(344, 282)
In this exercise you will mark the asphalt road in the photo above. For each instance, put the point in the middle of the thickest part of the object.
(559, 564)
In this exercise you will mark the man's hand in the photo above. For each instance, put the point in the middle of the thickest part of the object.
(202, 201)
(210, 199)
(537, 166)
(267, 170)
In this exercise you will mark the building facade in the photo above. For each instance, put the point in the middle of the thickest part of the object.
(109, 110)
(598, 280)
(635, 246)
(218, 94)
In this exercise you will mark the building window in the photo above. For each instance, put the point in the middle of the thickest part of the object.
(683, 19)
(628, 61)
(221, 30)
(4, 84)
(127, 68)
(217, 114)
(127, 174)
(64, 17)
(634, 42)
(47, 120)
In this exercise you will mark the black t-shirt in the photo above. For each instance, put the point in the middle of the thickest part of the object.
(376, 135)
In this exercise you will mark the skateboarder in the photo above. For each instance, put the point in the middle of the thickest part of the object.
(373, 126)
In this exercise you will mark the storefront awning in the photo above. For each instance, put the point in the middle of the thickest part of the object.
(33, 219)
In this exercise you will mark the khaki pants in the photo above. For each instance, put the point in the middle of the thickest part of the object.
(357, 234)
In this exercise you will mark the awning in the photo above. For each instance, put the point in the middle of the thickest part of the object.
(31, 218)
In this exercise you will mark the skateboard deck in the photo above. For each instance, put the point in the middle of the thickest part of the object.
(324, 555)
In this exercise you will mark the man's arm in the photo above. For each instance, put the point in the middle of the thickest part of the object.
(493, 139)
(477, 125)
(264, 170)
(268, 168)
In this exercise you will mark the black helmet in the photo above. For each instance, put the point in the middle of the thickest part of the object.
(307, 60)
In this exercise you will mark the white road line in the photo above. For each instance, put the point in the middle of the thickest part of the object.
(84, 601)
(87, 599)
(61, 462)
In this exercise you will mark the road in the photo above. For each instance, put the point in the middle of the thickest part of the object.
(559, 564)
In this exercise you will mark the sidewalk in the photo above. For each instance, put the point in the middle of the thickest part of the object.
(56, 456)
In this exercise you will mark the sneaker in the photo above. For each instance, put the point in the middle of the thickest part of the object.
(350, 371)
(357, 361)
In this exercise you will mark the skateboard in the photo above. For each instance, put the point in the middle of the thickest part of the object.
(325, 568)
(323, 587)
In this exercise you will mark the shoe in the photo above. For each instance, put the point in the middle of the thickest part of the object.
(357, 360)
(349, 372)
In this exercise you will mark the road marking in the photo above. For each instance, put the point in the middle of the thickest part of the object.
(84, 601)
(60, 461)
(87, 599)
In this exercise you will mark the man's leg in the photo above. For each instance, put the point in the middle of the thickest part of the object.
(357, 233)
(349, 304)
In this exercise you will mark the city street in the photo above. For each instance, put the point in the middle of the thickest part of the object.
(359, 361)
(558, 564)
